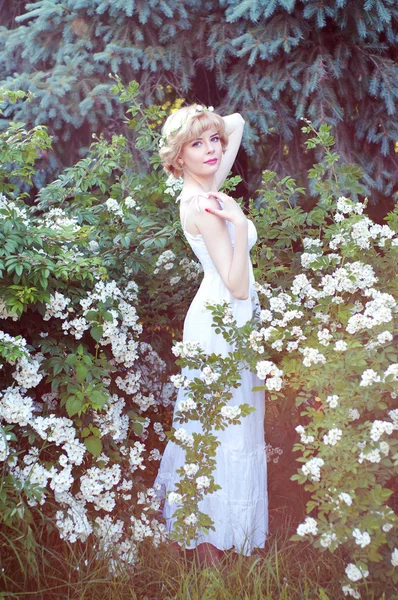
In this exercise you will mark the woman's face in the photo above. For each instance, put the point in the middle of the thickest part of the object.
(202, 156)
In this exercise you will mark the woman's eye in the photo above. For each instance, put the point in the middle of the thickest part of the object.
(195, 144)
(215, 138)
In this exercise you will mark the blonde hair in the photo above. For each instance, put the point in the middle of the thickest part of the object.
(183, 126)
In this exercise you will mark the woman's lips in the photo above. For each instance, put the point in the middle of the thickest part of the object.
(211, 161)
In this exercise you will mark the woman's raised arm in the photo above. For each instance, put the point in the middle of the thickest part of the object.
(234, 125)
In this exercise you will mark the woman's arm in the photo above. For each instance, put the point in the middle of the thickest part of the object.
(234, 125)
(231, 263)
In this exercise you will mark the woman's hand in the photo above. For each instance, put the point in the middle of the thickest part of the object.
(232, 211)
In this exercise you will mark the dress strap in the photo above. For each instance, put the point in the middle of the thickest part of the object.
(193, 199)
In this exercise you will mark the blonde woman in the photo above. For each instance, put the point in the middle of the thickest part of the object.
(201, 146)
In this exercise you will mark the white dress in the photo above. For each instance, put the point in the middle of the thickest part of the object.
(239, 509)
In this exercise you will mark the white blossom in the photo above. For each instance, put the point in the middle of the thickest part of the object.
(354, 573)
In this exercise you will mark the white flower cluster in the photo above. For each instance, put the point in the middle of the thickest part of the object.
(26, 372)
(340, 346)
(379, 427)
(8, 206)
(112, 421)
(131, 203)
(312, 356)
(377, 312)
(365, 230)
(307, 259)
(57, 219)
(173, 185)
(324, 337)
(255, 341)
(135, 456)
(113, 206)
(191, 268)
(174, 498)
(344, 497)
(231, 412)
(368, 377)
(57, 307)
(349, 591)
(311, 243)
(158, 429)
(382, 338)
(362, 538)
(184, 437)
(332, 437)
(353, 414)
(191, 520)
(265, 368)
(392, 370)
(165, 261)
(4, 449)
(312, 468)
(62, 432)
(180, 381)
(187, 404)
(355, 573)
(327, 539)
(17, 344)
(95, 486)
(76, 327)
(93, 246)
(209, 376)
(203, 482)
(190, 469)
(372, 455)
(347, 206)
(15, 407)
(305, 439)
(394, 557)
(73, 524)
(186, 349)
(108, 532)
(309, 526)
(130, 384)
(332, 401)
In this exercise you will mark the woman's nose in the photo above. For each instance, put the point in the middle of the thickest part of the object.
(210, 148)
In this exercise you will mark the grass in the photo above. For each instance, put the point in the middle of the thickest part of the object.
(284, 571)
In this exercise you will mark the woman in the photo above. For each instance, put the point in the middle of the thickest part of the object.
(201, 146)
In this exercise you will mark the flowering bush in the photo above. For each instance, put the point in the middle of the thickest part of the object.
(95, 285)
(83, 389)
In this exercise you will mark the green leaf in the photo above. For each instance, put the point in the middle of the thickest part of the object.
(81, 373)
(73, 405)
(96, 333)
(95, 431)
(108, 316)
(85, 432)
(97, 397)
(92, 315)
(137, 428)
(93, 445)
(71, 359)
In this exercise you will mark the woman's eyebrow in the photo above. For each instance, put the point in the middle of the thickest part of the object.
(199, 138)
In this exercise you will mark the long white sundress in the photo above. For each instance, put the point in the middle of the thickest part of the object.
(239, 509)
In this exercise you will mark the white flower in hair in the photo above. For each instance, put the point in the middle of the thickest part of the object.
(211, 108)
(198, 108)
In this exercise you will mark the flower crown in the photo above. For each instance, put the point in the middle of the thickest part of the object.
(198, 108)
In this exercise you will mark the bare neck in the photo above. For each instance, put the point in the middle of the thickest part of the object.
(199, 184)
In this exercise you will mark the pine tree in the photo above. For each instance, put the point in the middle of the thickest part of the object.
(274, 61)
